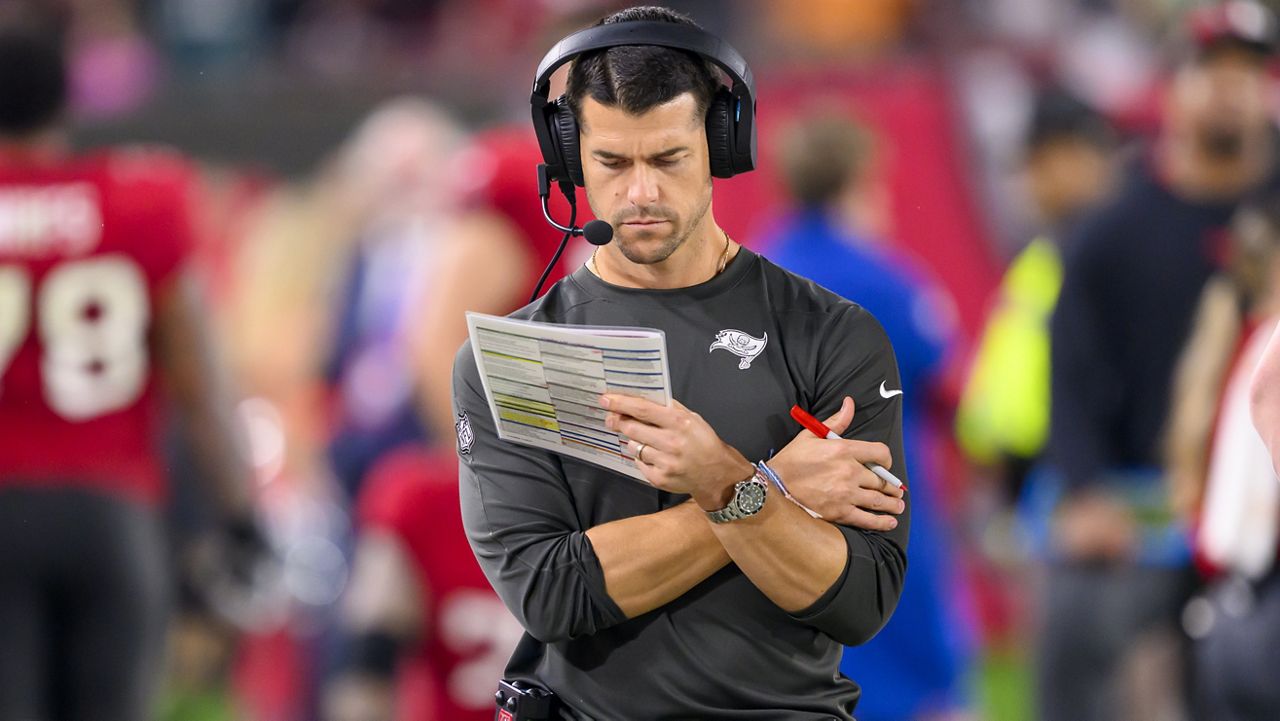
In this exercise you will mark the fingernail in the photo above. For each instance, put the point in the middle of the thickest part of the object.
(604, 401)
(901, 506)
(893, 523)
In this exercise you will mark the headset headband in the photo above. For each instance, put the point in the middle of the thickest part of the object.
(647, 32)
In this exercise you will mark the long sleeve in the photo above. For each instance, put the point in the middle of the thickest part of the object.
(1087, 393)
(522, 524)
(857, 360)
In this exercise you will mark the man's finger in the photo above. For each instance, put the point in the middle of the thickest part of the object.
(638, 408)
(863, 477)
(644, 433)
(839, 422)
(869, 452)
(646, 456)
(869, 500)
(858, 518)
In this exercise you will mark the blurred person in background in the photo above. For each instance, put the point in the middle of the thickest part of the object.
(836, 236)
(1224, 482)
(98, 319)
(1003, 418)
(429, 638)
(1266, 398)
(1133, 272)
(496, 247)
(399, 167)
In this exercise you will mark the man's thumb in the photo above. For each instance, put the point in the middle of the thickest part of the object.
(843, 417)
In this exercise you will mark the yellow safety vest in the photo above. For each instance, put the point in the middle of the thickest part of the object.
(1005, 406)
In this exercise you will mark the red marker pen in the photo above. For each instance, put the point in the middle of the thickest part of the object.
(819, 429)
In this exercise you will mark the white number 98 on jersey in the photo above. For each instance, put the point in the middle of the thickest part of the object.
(91, 317)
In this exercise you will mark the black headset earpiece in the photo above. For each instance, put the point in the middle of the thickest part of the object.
(731, 131)
(720, 134)
(567, 139)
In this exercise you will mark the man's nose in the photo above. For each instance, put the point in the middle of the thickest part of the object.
(642, 186)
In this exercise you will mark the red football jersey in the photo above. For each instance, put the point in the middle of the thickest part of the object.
(87, 246)
(468, 635)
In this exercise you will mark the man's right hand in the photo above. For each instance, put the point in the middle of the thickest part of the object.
(827, 476)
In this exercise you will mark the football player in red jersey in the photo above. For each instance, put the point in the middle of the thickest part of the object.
(96, 314)
(430, 638)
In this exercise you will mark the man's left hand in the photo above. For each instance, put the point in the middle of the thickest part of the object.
(676, 449)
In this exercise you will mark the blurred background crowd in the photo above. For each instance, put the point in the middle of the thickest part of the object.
(1047, 203)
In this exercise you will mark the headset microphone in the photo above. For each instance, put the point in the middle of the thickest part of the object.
(597, 232)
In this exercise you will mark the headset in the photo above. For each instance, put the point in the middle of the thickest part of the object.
(731, 128)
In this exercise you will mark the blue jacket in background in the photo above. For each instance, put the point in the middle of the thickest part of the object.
(919, 661)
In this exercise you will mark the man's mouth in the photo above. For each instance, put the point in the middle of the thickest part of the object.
(644, 222)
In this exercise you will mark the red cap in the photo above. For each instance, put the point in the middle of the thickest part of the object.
(1236, 23)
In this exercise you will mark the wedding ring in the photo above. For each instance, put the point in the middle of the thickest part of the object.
(640, 452)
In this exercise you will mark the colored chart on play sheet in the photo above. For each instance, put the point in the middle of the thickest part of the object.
(543, 381)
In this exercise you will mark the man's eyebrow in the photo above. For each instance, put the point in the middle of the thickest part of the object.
(668, 152)
(606, 155)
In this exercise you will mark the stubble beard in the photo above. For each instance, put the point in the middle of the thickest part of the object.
(678, 236)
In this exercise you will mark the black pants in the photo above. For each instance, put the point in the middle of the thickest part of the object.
(83, 600)
(1092, 616)
(1238, 659)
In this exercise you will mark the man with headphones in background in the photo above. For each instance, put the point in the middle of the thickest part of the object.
(709, 593)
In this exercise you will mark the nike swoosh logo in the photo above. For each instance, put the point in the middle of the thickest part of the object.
(884, 393)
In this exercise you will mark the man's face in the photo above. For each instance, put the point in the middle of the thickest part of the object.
(1221, 101)
(1068, 174)
(648, 175)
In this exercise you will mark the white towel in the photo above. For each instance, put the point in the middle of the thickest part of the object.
(1242, 496)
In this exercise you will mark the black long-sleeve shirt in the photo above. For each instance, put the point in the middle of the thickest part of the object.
(1132, 277)
(723, 650)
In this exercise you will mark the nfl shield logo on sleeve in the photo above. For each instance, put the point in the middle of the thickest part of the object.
(465, 437)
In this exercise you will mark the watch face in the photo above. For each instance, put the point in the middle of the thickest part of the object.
(750, 497)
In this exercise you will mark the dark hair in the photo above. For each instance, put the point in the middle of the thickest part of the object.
(823, 154)
(33, 80)
(1059, 115)
(638, 78)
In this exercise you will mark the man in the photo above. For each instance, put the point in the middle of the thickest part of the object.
(918, 663)
(635, 603)
(1133, 275)
(93, 301)
(1265, 399)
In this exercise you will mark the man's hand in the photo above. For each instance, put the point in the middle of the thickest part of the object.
(827, 476)
(1095, 526)
(676, 449)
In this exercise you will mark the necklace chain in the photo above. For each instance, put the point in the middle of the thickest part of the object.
(724, 258)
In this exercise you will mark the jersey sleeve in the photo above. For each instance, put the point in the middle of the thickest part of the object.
(522, 525)
(1087, 392)
(857, 360)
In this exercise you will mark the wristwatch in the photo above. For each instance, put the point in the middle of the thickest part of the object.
(748, 499)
